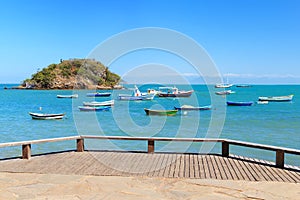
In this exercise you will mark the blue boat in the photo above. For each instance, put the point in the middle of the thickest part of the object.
(239, 103)
(88, 108)
(98, 94)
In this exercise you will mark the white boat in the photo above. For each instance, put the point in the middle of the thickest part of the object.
(262, 102)
(225, 92)
(44, 116)
(97, 103)
(277, 98)
(137, 96)
(223, 85)
(68, 96)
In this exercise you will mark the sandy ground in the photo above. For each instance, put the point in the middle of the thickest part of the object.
(52, 186)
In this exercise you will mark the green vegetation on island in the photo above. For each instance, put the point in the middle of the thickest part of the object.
(73, 74)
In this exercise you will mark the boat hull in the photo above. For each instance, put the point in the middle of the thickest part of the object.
(193, 108)
(93, 109)
(232, 103)
(95, 103)
(179, 94)
(41, 116)
(67, 96)
(277, 98)
(160, 112)
(97, 94)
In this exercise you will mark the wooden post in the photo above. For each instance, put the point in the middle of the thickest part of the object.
(80, 145)
(280, 158)
(26, 151)
(225, 149)
(150, 146)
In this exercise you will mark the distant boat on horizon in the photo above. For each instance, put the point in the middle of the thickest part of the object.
(277, 98)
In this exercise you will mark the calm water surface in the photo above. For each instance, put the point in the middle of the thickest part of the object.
(273, 124)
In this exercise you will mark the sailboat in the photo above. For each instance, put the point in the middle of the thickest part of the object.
(223, 85)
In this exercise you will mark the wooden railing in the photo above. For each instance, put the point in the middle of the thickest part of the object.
(279, 160)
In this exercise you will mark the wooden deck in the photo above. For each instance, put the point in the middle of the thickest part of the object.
(172, 165)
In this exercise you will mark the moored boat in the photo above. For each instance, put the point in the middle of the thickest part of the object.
(44, 116)
(97, 103)
(189, 107)
(173, 92)
(239, 103)
(137, 96)
(160, 112)
(88, 108)
(225, 92)
(223, 85)
(98, 94)
(67, 96)
(277, 98)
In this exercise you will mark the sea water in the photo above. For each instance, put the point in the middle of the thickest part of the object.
(276, 123)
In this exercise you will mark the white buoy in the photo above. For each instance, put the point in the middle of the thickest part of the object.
(40, 108)
(185, 113)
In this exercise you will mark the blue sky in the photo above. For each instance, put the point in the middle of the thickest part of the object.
(254, 41)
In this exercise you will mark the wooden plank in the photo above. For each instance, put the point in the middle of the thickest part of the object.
(231, 172)
(202, 174)
(215, 168)
(181, 167)
(158, 165)
(173, 165)
(196, 166)
(221, 167)
(177, 166)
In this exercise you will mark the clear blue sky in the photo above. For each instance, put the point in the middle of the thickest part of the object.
(253, 40)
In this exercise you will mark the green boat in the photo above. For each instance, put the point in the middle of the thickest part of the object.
(161, 112)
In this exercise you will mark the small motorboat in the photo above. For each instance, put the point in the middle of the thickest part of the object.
(239, 103)
(277, 98)
(160, 112)
(137, 96)
(98, 94)
(88, 108)
(97, 103)
(68, 96)
(223, 85)
(188, 107)
(225, 92)
(173, 92)
(262, 102)
(44, 116)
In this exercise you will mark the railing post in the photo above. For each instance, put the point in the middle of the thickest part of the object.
(225, 149)
(80, 145)
(26, 151)
(150, 146)
(280, 158)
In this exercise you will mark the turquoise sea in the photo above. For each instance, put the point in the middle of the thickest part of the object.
(277, 123)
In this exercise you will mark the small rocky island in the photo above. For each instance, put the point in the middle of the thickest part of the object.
(73, 74)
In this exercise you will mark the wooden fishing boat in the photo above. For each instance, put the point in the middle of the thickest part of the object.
(98, 94)
(68, 96)
(243, 86)
(173, 92)
(239, 103)
(160, 112)
(188, 107)
(88, 108)
(277, 98)
(97, 103)
(44, 116)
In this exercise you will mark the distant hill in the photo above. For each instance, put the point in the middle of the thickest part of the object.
(73, 74)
